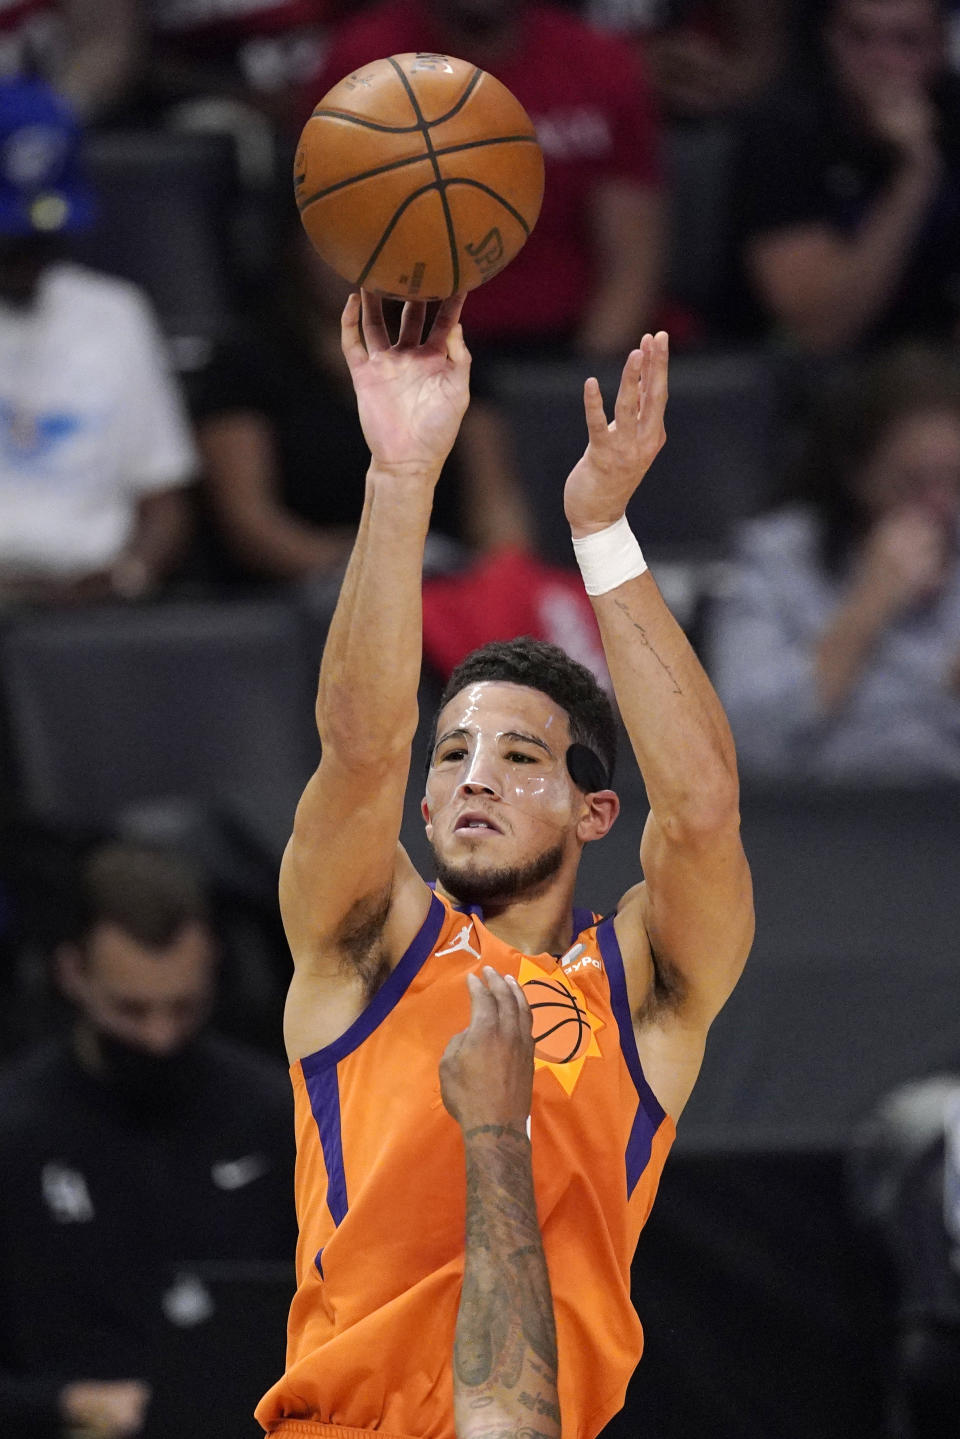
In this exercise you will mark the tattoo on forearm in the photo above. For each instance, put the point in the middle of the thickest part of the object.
(505, 1350)
(645, 640)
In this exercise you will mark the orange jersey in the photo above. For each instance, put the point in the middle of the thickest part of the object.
(381, 1188)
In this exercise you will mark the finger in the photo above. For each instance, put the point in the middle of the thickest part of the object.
(483, 1005)
(354, 350)
(411, 324)
(524, 1012)
(505, 1002)
(374, 325)
(457, 352)
(628, 395)
(653, 398)
(594, 411)
(445, 321)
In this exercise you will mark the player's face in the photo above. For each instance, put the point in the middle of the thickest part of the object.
(880, 47)
(499, 797)
(916, 464)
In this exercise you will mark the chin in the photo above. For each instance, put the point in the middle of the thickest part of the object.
(473, 882)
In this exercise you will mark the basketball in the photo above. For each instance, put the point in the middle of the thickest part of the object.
(561, 1031)
(417, 176)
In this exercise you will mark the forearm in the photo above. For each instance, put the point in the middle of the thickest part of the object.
(630, 241)
(845, 647)
(832, 304)
(675, 721)
(277, 543)
(106, 52)
(505, 1350)
(367, 697)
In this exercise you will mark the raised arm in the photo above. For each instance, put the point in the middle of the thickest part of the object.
(349, 898)
(686, 930)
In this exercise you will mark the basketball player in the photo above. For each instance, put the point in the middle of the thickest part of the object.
(519, 781)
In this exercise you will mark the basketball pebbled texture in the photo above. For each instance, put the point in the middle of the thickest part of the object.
(418, 175)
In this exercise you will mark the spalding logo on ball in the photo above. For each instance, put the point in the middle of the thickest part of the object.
(418, 175)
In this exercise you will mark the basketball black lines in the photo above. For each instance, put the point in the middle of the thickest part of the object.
(564, 1004)
(439, 184)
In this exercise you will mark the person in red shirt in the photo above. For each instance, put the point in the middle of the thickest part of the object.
(589, 276)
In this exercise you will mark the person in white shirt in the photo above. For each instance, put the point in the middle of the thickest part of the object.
(95, 443)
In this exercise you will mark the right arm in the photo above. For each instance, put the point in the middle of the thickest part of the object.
(505, 1344)
(826, 288)
(350, 900)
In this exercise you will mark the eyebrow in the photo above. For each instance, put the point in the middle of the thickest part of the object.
(504, 734)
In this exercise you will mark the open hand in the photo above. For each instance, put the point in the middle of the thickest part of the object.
(411, 395)
(486, 1073)
(619, 454)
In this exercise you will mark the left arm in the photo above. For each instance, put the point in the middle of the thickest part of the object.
(687, 929)
(106, 52)
(628, 223)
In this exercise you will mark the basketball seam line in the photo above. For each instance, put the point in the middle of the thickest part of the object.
(415, 160)
(438, 178)
(402, 129)
(415, 195)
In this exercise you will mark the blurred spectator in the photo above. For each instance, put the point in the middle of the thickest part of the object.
(849, 190)
(252, 52)
(590, 274)
(131, 1147)
(284, 458)
(905, 1182)
(95, 446)
(706, 57)
(836, 644)
(89, 50)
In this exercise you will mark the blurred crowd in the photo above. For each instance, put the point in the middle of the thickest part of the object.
(776, 182)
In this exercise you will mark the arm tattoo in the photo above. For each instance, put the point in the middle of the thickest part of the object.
(505, 1351)
(645, 640)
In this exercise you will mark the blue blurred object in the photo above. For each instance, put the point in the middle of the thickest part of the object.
(42, 186)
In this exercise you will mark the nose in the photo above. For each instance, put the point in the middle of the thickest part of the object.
(476, 786)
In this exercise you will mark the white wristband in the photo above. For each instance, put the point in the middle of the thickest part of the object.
(609, 558)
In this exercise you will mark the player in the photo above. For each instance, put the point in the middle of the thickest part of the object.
(518, 783)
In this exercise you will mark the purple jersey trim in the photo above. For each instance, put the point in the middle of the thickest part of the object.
(387, 996)
(650, 1112)
(324, 1092)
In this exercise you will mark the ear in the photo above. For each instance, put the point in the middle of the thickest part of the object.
(71, 971)
(425, 811)
(602, 806)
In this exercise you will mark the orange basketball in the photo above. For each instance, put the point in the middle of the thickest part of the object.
(561, 1030)
(418, 175)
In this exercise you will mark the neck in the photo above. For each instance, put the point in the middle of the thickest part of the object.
(533, 924)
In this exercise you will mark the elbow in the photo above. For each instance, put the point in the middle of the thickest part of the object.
(705, 812)
(354, 737)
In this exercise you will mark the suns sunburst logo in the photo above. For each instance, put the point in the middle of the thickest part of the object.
(564, 1030)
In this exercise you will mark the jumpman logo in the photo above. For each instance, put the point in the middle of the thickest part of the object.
(462, 941)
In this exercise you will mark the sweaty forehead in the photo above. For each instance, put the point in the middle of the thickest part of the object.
(499, 706)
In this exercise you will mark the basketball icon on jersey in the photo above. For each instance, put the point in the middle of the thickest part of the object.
(561, 1027)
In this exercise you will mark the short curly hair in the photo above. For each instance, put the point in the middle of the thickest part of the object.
(549, 669)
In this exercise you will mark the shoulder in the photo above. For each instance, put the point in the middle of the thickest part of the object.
(28, 1083)
(78, 287)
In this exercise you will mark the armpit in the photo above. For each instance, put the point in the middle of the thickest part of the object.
(360, 940)
(667, 993)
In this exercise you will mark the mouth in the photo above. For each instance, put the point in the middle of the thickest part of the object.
(476, 823)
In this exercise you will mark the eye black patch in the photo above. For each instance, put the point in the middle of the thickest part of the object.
(586, 769)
